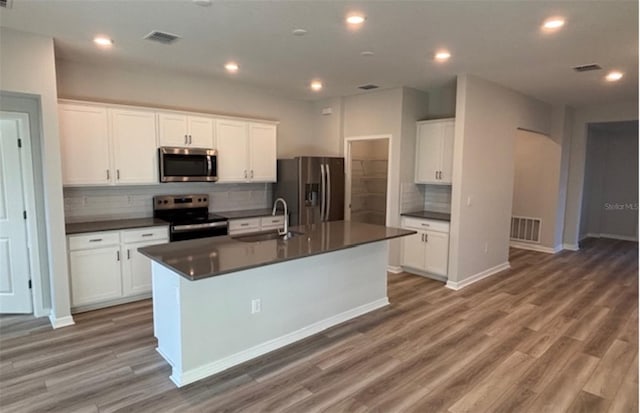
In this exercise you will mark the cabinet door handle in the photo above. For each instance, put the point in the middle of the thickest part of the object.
(422, 237)
(426, 237)
(108, 175)
(244, 225)
(118, 174)
(190, 140)
(128, 254)
(186, 140)
(252, 174)
(436, 174)
(245, 174)
(95, 240)
(146, 235)
(118, 255)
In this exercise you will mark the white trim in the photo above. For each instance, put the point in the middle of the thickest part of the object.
(611, 236)
(394, 269)
(457, 285)
(571, 247)
(535, 247)
(61, 322)
(217, 366)
(347, 172)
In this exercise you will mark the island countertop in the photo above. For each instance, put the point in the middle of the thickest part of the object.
(208, 257)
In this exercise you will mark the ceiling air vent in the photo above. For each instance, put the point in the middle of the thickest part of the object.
(6, 4)
(162, 37)
(368, 87)
(587, 68)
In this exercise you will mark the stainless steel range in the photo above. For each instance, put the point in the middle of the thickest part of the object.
(189, 216)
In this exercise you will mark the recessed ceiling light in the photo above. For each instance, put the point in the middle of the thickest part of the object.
(553, 23)
(103, 41)
(203, 3)
(442, 55)
(316, 85)
(355, 19)
(614, 76)
(298, 32)
(366, 53)
(232, 67)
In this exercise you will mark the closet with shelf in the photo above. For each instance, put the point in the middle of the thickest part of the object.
(369, 163)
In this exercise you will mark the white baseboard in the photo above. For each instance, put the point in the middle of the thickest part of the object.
(571, 247)
(61, 322)
(534, 247)
(190, 376)
(394, 269)
(453, 285)
(441, 278)
(612, 236)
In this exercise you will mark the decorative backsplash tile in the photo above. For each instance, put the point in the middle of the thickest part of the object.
(416, 197)
(103, 203)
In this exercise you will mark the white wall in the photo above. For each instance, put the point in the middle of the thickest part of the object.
(139, 86)
(536, 181)
(28, 66)
(487, 116)
(610, 200)
(328, 138)
(622, 111)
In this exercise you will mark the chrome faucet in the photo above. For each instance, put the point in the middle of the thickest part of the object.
(286, 217)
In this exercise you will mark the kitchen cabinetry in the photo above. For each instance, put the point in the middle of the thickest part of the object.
(246, 151)
(180, 130)
(106, 267)
(107, 146)
(428, 250)
(434, 151)
(256, 224)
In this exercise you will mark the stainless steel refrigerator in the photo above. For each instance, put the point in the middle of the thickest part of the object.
(313, 188)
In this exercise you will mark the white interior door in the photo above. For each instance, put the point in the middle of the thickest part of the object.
(15, 295)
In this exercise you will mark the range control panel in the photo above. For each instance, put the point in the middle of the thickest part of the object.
(180, 201)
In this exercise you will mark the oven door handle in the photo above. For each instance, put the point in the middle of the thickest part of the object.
(182, 228)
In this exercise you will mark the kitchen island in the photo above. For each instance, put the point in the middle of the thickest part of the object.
(218, 302)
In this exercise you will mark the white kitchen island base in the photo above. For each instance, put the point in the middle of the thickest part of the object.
(206, 326)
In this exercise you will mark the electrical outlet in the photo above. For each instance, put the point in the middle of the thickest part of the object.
(256, 306)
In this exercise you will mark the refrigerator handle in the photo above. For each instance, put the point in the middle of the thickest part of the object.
(328, 207)
(323, 192)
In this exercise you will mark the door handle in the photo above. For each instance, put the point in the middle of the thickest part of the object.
(252, 174)
(118, 255)
(128, 254)
(190, 140)
(426, 237)
(118, 174)
(328, 207)
(245, 174)
(436, 174)
(422, 237)
(108, 175)
(323, 193)
(186, 140)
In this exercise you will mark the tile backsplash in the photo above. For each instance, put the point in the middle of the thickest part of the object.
(103, 203)
(416, 197)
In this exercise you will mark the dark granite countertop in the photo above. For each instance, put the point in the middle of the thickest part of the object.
(247, 213)
(439, 216)
(208, 257)
(112, 225)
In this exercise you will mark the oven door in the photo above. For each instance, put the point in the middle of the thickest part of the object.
(188, 165)
(193, 231)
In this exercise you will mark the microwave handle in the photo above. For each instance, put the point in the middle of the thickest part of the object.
(209, 166)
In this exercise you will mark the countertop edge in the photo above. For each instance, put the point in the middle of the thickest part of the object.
(116, 227)
(257, 265)
(437, 216)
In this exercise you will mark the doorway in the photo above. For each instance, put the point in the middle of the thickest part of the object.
(18, 239)
(367, 164)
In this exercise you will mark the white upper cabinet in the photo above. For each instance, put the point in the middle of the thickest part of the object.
(134, 146)
(181, 130)
(84, 141)
(233, 149)
(262, 152)
(434, 151)
(246, 151)
(106, 146)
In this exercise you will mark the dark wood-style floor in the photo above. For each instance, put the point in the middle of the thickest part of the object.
(555, 333)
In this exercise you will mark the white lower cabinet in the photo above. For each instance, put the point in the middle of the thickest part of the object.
(428, 250)
(106, 267)
(249, 225)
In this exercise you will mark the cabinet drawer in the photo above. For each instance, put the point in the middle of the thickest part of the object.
(238, 226)
(272, 222)
(144, 234)
(425, 224)
(93, 240)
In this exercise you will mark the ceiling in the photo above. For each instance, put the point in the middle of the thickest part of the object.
(497, 40)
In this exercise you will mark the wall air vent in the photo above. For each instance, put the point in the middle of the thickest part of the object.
(6, 4)
(368, 87)
(587, 68)
(525, 229)
(162, 37)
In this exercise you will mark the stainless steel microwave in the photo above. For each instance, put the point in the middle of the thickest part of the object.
(188, 164)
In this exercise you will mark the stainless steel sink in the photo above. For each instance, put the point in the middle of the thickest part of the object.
(266, 236)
